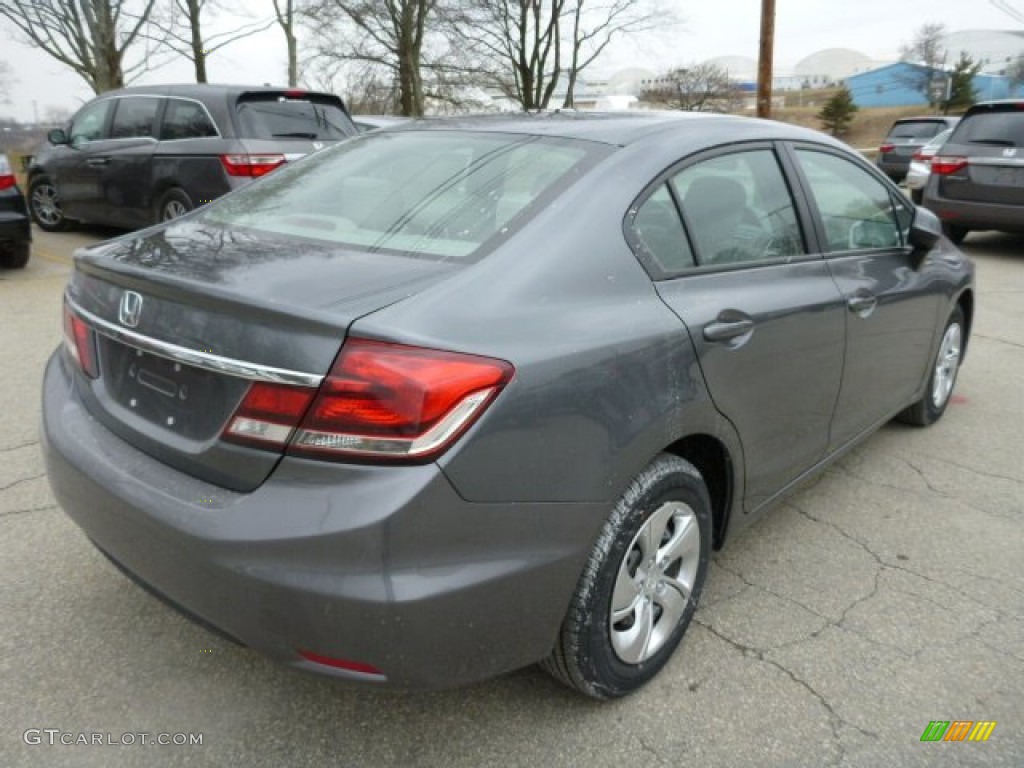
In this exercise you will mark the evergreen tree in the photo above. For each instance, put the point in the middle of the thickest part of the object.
(837, 114)
(961, 93)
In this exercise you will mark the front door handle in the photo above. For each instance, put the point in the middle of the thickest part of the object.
(862, 304)
(727, 330)
(97, 162)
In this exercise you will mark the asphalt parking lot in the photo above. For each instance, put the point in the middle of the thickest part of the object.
(887, 595)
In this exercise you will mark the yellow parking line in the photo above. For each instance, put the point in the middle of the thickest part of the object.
(44, 254)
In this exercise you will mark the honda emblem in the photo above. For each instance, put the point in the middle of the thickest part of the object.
(131, 309)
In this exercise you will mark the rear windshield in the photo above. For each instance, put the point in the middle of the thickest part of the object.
(277, 116)
(431, 194)
(1002, 129)
(916, 130)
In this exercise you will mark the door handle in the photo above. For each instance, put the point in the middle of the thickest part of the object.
(97, 162)
(862, 304)
(727, 330)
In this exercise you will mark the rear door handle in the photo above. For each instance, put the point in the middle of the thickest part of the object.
(727, 330)
(862, 304)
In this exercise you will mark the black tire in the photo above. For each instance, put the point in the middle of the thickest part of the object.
(44, 205)
(173, 203)
(932, 404)
(585, 656)
(14, 257)
(955, 232)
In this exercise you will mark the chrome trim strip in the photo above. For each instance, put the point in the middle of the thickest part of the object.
(1009, 162)
(204, 360)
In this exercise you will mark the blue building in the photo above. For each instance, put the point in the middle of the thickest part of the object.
(899, 85)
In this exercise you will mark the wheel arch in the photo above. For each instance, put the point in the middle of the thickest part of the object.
(966, 303)
(712, 459)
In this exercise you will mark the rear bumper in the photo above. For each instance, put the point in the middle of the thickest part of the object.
(895, 168)
(385, 566)
(972, 215)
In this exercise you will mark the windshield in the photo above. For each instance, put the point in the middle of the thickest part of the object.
(276, 116)
(433, 194)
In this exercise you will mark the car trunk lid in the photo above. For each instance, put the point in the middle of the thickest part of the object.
(187, 317)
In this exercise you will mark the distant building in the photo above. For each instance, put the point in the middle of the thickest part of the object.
(896, 85)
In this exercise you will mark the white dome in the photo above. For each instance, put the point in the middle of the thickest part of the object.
(833, 63)
(738, 67)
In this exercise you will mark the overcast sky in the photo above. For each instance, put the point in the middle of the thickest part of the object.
(709, 28)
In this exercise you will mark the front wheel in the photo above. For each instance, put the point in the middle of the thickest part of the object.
(641, 585)
(930, 408)
(44, 205)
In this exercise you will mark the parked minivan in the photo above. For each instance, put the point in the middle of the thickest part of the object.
(136, 156)
(905, 138)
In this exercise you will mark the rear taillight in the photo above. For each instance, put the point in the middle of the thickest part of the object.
(7, 180)
(250, 165)
(385, 401)
(268, 414)
(918, 156)
(394, 401)
(886, 148)
(943, 165)
(78, 340)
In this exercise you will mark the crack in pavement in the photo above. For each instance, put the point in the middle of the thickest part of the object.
(22, 480)
(835, 719)
(997, 339)
(12, 512)
(974, 470)
(19, 447)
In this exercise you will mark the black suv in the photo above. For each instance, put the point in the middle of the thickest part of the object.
(136, 156)
(15, 233)
(904, 139)
(977, 178)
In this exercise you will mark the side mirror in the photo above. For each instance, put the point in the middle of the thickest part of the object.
(57, 137)
(925, 230)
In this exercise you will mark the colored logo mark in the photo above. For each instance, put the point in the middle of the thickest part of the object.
(958, 730)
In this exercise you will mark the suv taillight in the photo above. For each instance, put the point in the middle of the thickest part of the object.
(7, 181)
(886, 148)
(78, 340)
(944, 165)
(380, 400)
(250, 165)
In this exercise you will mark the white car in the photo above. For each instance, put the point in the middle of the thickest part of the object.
(921, 165)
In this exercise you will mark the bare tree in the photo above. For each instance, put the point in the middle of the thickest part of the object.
(391, 34)
(89, 36)
(5, 82)
(595, 23)
(926, 49)
(286, 13)
(697, 88)
(181, 26)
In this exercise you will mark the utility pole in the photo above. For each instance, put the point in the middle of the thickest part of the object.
(764, 62)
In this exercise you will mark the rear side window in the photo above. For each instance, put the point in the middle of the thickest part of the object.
(738, 209)
(916, 130)
(276, 116)
(1001, 129)
(430, 194)
(186, 120)
(659, 232)
(135, 117)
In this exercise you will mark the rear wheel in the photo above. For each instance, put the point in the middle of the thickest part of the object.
(14, 257)
(955, 232)
(930, 408)
(44, 205)
(174, 203)
(641, 585)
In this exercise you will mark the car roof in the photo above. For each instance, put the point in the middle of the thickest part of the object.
(927, 119)
(199, 90)
(622, 128)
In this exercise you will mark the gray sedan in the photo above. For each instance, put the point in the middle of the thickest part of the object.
(464, 396)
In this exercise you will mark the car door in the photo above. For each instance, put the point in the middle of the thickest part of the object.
(125, 163)
(74, 169)
(892, 307)
(762, 311)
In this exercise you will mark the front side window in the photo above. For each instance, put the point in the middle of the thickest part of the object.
(135, 117)
(88, 124)
(440, 194)
(856, 209)
(738, 209)
(186, 120)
